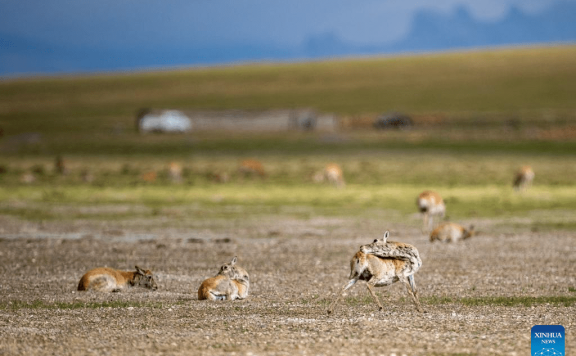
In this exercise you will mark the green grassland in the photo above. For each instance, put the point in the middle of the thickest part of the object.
(478, 116)
(531, 85)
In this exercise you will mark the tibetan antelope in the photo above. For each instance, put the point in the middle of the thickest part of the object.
(523, 179)
(431, 205)
(218, 177)
(175, 172)
(86, 175)
(104, 279)
(27, 178)
(60, 165)
(382, 263)
(251, 167)
(148, 177)
(451, 232)
(331, 173)
(232, 282)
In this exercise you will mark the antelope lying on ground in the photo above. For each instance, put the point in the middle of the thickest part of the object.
(523, 179)
(104, 279)
(431, 205)
(382, 263)
(451, 232)
(232, 282)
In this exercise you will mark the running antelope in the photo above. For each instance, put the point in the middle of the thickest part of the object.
(251, 167)
(451, 232)
(431, 205)
(523, 179)
(333, 174)
(232, 282)
(105, 279)
(382, 263)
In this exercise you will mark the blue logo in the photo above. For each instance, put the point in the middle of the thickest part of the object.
(548, 340)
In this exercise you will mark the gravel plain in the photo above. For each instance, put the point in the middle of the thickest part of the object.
(296, 266)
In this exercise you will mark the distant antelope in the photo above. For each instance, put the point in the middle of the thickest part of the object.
(430, 204)
(175, 172)
(218, 177)
(451, 232)
(149, 177)
(27, 178)
(60, 165)
(523, 179)
(87, 176)
(104, 279)
(331, 173)
(232, 282)
(250, 167)
(382, 263)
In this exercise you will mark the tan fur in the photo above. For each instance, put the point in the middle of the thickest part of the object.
(451, 232)
(334, 175)
(28, 178)
(251, 167)
(175, 172)
(431, 205)
(232, 282)
(149, 177)
(87, 176)
(105, 279)
(523, 179)
(380, 271)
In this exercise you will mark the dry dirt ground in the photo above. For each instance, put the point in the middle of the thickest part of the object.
(296, 266)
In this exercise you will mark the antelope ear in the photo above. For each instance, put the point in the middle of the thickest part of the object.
(140, 270)
(386, 235)
(233, 262)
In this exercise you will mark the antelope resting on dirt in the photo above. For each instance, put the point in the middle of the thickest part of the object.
(104, 279)
(523, 179)
(451, 232)
(232, 282)
(431, 205)
(382, 263)
(333, 174)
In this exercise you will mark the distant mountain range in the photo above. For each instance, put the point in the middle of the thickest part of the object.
(430, 31)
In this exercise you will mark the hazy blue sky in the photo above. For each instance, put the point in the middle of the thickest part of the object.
(149, 22)
(140, 25)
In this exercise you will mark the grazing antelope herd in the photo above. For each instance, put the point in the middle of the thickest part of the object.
(380, 263)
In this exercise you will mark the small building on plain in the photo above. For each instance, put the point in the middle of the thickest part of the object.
(236, 121)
